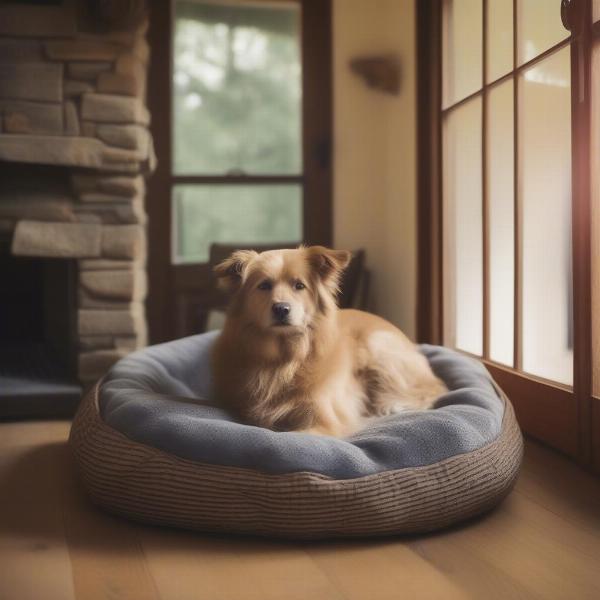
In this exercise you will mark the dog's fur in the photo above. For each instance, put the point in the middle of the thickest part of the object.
(317, 369)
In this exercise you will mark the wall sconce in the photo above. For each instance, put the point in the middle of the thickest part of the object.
(379, 72)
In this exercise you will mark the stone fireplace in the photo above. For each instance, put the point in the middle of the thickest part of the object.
(75, 149)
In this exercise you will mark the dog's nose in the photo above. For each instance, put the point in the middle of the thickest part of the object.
(281, 310)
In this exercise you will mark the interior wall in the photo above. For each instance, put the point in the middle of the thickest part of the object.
(375, 153)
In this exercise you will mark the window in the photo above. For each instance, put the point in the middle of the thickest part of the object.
(505, 232)
(240, 93)
(237, 93)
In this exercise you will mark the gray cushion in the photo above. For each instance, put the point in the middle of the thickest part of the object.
(161, 397)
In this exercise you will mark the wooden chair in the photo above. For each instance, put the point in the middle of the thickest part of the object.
(354, 288)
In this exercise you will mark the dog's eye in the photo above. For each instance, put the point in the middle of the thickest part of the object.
(299, 285)
(265, 285)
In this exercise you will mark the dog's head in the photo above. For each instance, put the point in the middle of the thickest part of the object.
(282, 291)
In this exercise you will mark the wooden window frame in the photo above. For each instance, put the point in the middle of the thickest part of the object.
(317, 118)
(558, 415)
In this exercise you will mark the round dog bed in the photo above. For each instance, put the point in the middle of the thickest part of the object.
(150, 446)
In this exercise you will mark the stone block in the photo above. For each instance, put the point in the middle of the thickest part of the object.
(85, 182)
(117, 285)
(131, 343)
(22, 116)
(111, 322)
(118, 185)
(87, 71)
(101, 198)
(151, 163)
(71, 119)
(123, 241)
(38, 19)
(131, 137)
(118, 159)
(127, 160)
(34, 205)
(121, 83)
(82, 50)
(130, 65)
(141, 29)
(88, 218)
(14, 123)
(101, 264)
(121, 34)
(88, 129)
(128, 344)
(94, 364)
(73, 88)
(69, 151)
(96, 342)
(14, 50)
(42, 82)
(111, 214)
(65, 240)
(108, 108)
(141, 49)
(84, 300)
(123, 185)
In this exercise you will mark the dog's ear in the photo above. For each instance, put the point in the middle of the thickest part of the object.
(328, 264)
(230, 272)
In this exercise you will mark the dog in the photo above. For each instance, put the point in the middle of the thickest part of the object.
(289, 360)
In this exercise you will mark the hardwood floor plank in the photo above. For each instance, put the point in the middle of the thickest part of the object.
(189, 566)
(477, 578)
(382, 570)
(28, 433)
(542, 543)
(34, 559)
(107, 559)
(561, 486)
(520, 551)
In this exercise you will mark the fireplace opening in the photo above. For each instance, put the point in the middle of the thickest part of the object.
(38, 343)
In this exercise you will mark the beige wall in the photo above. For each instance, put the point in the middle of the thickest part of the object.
(375, 152)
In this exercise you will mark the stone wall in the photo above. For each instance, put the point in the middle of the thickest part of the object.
(74, 98)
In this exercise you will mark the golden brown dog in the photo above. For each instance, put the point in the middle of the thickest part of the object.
(289, 359)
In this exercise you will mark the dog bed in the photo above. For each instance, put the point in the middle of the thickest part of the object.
(150, 446)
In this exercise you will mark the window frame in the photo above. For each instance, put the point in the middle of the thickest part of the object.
(168, 279)
(556, 414)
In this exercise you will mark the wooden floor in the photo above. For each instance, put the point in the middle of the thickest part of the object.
(543, 542)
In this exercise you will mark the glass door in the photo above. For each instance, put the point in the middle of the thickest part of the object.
(512, 78)
(242, 121)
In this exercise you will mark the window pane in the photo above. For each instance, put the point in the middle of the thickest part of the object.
(499, 38)
(244, 214)
(539, 27)
(500, 193)
(462, 52)
(236, 88)
(545, 187)
(463, 258)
